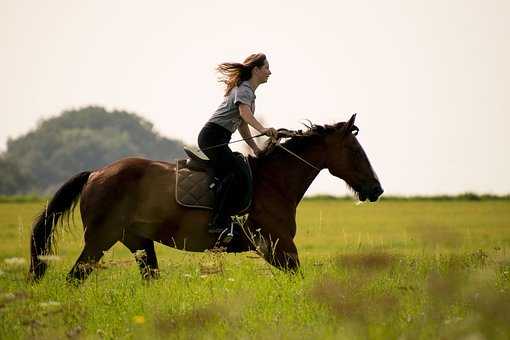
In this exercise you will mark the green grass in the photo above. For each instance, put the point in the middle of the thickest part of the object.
(396, 269)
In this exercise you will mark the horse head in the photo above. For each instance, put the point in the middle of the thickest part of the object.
(334, 147)
(346, 159)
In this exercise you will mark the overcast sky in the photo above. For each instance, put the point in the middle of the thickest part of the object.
(429, 79)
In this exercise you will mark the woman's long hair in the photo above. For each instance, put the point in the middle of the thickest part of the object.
(232, 74)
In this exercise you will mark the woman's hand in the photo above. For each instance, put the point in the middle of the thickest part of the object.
(270, 132)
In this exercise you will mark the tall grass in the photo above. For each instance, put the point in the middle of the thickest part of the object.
(396, 269)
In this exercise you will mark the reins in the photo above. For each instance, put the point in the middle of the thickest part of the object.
(235, 141)
(298, 157)
(284, 134)
(288, 134)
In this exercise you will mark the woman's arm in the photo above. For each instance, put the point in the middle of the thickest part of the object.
(247, 116)
(244, 130)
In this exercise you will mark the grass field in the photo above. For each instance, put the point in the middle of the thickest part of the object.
(391, 270)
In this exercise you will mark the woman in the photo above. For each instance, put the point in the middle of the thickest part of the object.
(234, 113)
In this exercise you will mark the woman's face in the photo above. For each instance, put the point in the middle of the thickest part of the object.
(262, 72)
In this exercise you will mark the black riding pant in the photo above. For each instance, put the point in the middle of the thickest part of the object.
(213, 141)
(222, 158)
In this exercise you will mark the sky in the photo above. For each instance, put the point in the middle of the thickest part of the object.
(429, 79)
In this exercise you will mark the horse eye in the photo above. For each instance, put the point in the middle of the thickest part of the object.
(355, 132)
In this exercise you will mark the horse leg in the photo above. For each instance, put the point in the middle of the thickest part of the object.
(90, 256)
(282, 253)
(145, 255)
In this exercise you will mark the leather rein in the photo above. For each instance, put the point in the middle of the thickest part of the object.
(282, 133)
(288, 134)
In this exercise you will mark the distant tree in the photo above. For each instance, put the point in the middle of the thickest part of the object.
(12, 180)
(84, 139)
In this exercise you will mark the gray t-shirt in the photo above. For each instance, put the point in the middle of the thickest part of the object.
(227, 114)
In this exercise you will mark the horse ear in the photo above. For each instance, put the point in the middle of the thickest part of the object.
(350, 124)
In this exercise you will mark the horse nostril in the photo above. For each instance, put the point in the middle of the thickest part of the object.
(379, 191)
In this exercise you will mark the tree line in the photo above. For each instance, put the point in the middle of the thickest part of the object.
(77, 140)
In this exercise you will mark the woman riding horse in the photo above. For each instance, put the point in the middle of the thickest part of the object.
(234, 113)
(132, 200)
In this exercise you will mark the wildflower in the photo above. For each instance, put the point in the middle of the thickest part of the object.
(49, 304)
(74, 333)
(139, 319)
(14, 261)
(9, 297)
(49, 258)
(140, 255)
(452, 320)
(231, 279)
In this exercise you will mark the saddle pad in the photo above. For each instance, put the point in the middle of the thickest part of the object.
(192, 187)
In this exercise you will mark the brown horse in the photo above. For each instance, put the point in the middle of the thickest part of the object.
(132, 201)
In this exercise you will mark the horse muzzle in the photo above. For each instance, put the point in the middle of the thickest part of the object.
(371, 193)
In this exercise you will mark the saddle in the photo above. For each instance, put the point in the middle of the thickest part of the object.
(196, 184)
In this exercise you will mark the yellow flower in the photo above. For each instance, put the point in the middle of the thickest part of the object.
(139, 319)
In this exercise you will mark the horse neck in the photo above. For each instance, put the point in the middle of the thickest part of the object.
(289, 175)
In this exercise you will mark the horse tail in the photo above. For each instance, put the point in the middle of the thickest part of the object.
(60, 206)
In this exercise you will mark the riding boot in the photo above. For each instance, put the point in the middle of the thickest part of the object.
(220, 220)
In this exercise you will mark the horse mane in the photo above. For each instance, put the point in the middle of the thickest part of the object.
(299, 140)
